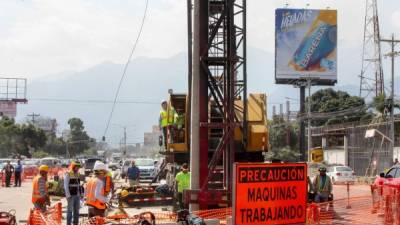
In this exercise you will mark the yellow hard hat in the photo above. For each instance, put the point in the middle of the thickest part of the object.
(44, 168)
(124, 193)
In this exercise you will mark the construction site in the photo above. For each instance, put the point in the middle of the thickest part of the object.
(217, 156)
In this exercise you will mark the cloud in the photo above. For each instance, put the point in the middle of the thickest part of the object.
(40, 37)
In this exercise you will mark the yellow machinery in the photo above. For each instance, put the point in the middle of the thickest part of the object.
(257, 138)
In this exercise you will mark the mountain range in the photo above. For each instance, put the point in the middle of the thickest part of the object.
(89, 94)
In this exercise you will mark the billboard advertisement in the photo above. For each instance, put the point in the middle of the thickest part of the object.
(305, 45)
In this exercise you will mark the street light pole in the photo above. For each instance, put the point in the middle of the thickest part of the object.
(124, 141)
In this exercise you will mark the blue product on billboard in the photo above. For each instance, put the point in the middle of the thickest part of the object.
(315, 47)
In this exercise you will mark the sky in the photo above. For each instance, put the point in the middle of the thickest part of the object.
(46, 39)
(43, 37)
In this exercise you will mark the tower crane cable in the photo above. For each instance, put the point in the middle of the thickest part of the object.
(125, 69)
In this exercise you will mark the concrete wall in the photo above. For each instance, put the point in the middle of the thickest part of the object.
(334, 156)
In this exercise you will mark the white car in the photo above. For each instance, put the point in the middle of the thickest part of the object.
(341, 174)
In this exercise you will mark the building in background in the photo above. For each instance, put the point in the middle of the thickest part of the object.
(151, 138)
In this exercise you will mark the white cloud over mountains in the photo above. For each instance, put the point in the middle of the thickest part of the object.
(40, 37)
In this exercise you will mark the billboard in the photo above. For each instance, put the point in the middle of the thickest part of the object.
(269, 193)
(305, 45)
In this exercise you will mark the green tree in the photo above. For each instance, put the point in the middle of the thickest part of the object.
(19, 139)
(283, 139)
(329, 100)
(40, 154)
(79, 140)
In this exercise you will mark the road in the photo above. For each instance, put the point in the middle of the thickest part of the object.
(19, 198)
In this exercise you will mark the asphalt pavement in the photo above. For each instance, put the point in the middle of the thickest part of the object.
(19, 198)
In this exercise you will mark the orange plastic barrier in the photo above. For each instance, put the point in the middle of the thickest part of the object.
(30, 173)
(355, 210)
(3, 179)
(51, 217)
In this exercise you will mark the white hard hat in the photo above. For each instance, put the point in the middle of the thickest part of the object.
(163, 101)
(99, 166)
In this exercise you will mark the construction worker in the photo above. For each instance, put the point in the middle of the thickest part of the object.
(108, 184)
(95, 197)
(166, 118)
(322, 186)
(8, 169)
(73, 192)
(182, 179)
(133, 175)
(40, 196)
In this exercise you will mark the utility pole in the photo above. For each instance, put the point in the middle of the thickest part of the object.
(309, 140)
(124, 141)
(33, 115)
(392, 55)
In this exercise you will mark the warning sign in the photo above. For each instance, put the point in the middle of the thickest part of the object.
(269, 193)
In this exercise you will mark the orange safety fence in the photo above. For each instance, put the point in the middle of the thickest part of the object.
(3, 179)
(52, 216)
(30, 172)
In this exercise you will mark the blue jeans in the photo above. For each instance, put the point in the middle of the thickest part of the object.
(321, 197)
(73, 209)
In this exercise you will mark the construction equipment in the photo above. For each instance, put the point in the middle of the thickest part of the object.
(142, 195)
(177, 150)
(225, 123)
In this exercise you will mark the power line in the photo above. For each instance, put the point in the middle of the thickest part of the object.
(125, 69)
(95, 101)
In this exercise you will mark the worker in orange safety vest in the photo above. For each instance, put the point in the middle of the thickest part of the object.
(108, 184)
(95, 194)
(40, 196)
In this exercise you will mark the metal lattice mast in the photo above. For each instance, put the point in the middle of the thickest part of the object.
(371, 77)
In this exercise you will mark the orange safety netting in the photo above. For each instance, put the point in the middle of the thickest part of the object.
(52, 216)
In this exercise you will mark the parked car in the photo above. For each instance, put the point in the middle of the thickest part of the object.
(114, 165)
(124, 170)
(89, 165)
(341, 174)
(146, 167)
(392, 176)
(50, 161)
(30, 163)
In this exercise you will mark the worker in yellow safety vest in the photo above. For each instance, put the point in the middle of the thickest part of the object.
(182, 179)
(166, 119)
(40, 196)
(95, 195)
(322, 186)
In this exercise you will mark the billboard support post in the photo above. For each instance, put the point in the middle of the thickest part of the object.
(302, 125)
(309, 137)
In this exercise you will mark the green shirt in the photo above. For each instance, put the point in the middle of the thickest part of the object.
(183, 180)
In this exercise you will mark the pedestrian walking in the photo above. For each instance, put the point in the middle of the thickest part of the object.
(17, 174)
(133, 175)
(8, 170)
(322, 186)
(40, 195)
(73, 193)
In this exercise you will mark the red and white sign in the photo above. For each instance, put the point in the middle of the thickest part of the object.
(8, 108)
(269, 193)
